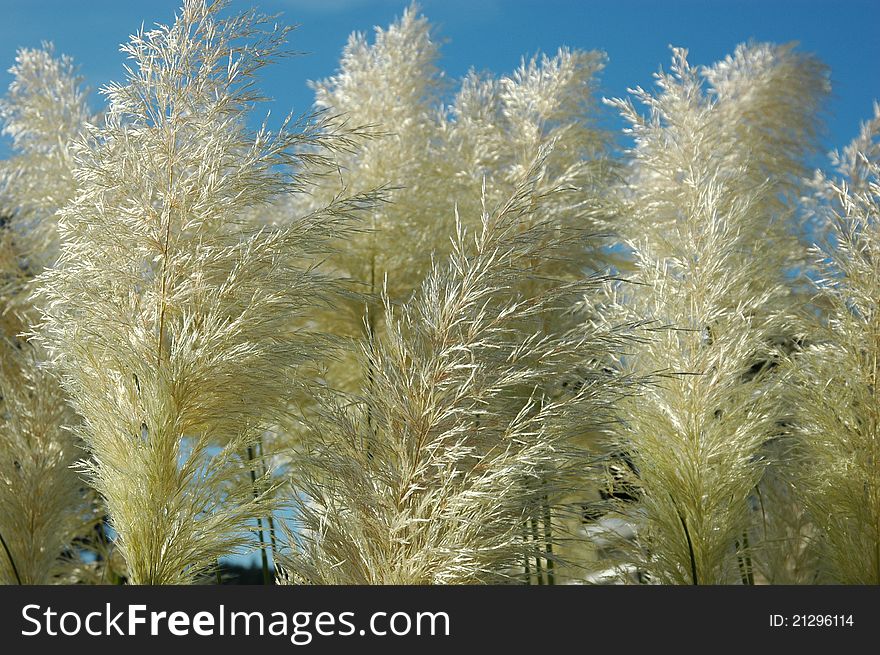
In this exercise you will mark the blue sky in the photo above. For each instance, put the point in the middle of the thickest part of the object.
(493, 35)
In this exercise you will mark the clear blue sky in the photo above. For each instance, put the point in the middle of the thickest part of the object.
(493, 35)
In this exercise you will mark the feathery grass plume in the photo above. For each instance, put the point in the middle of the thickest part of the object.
(440, 496)
(43, 111)
(834, 380)
(168, 313)
(711, 236)
(432, 157)
(47, 506)
(496, 126)
(392, 84)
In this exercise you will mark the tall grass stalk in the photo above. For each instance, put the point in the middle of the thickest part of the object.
(459, 446)
(46, 505)
(707, 197)
(834, 380)
(169, 311)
